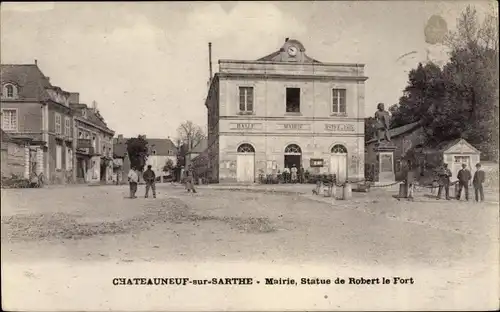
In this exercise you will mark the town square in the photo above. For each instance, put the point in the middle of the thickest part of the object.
(301, 170)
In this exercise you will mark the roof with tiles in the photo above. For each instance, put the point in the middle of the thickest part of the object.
(30, 80)
(395, 132)
(162, 147)
(91, 115)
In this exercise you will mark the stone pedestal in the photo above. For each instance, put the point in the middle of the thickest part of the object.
(384, 167)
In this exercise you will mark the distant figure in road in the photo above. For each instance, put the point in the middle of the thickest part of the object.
(477, 182)
(463, 177)
(444, 175)
(150, 179)
(189, 181)
(133, 179)
(294, 174)
(410, 180)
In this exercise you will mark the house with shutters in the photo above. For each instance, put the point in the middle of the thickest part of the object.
(94, 144)
(34, 110)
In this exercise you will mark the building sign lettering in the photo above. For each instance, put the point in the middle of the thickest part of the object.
(293, 126)
(245, 126)
(316, 162)
(340, 127)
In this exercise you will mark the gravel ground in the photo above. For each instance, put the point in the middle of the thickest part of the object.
(445, 246)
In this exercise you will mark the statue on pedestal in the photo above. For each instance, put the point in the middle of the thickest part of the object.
(383, 123)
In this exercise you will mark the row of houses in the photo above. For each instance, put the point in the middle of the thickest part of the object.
(49, 131)
(160, 151)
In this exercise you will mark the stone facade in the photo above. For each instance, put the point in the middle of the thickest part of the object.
(330, 113)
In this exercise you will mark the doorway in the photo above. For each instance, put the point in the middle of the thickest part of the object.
(245, 164)
(338, 162)
(293, 156)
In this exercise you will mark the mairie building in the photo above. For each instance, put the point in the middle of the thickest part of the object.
(282, 110)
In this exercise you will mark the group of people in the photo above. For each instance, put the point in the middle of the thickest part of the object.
(444, 181)
(149, 177)
(292, 175)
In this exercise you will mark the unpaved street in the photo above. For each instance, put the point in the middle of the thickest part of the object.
(444, 245)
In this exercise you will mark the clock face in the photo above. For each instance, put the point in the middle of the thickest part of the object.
(292, 51)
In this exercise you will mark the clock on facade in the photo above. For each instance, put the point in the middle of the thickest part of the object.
(292, 51)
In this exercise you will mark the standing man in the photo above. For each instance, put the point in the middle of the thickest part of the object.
(463, 177)
(189, 180)
(444, 181)
(294, 174)
(133, 179)
(150, 179)
(286, 174)
(410, 180)
(477, 182)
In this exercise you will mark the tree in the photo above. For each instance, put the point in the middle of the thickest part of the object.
(425, 89)
(190, 134)
(472, 78)
(461, 100)
(169, 165)
(370, 130)
(137, 150)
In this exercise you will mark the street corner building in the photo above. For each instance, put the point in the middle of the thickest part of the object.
(285, 109)
(43, 121)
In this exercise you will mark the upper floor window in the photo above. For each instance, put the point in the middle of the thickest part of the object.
(9, 119)
(58, 123)
(339, 101)
(9, 91)
(84, 113)
(67, 126)
(154, 152)
(293, 100)
(246, 99)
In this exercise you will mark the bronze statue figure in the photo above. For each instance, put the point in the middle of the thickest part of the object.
(383, 123)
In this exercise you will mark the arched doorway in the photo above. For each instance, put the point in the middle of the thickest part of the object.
(293, 156)
(245, 163)
(338, 162)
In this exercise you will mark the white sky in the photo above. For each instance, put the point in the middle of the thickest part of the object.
(146, 64)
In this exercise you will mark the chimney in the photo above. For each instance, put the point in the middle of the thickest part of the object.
(286, 39)
(94, 106)
(210, 61)
(36, 62)
(74, 98)
(120, 137)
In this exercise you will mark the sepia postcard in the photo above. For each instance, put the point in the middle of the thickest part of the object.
(250, 156)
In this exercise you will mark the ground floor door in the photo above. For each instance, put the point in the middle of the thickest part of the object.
(338, 166)
(245, 168)
(291, 160)
(103, 171)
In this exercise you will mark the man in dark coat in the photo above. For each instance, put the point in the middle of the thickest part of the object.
(477, 182)
(463, 177)
(150, 179)
(444, 175)
(190, 180)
